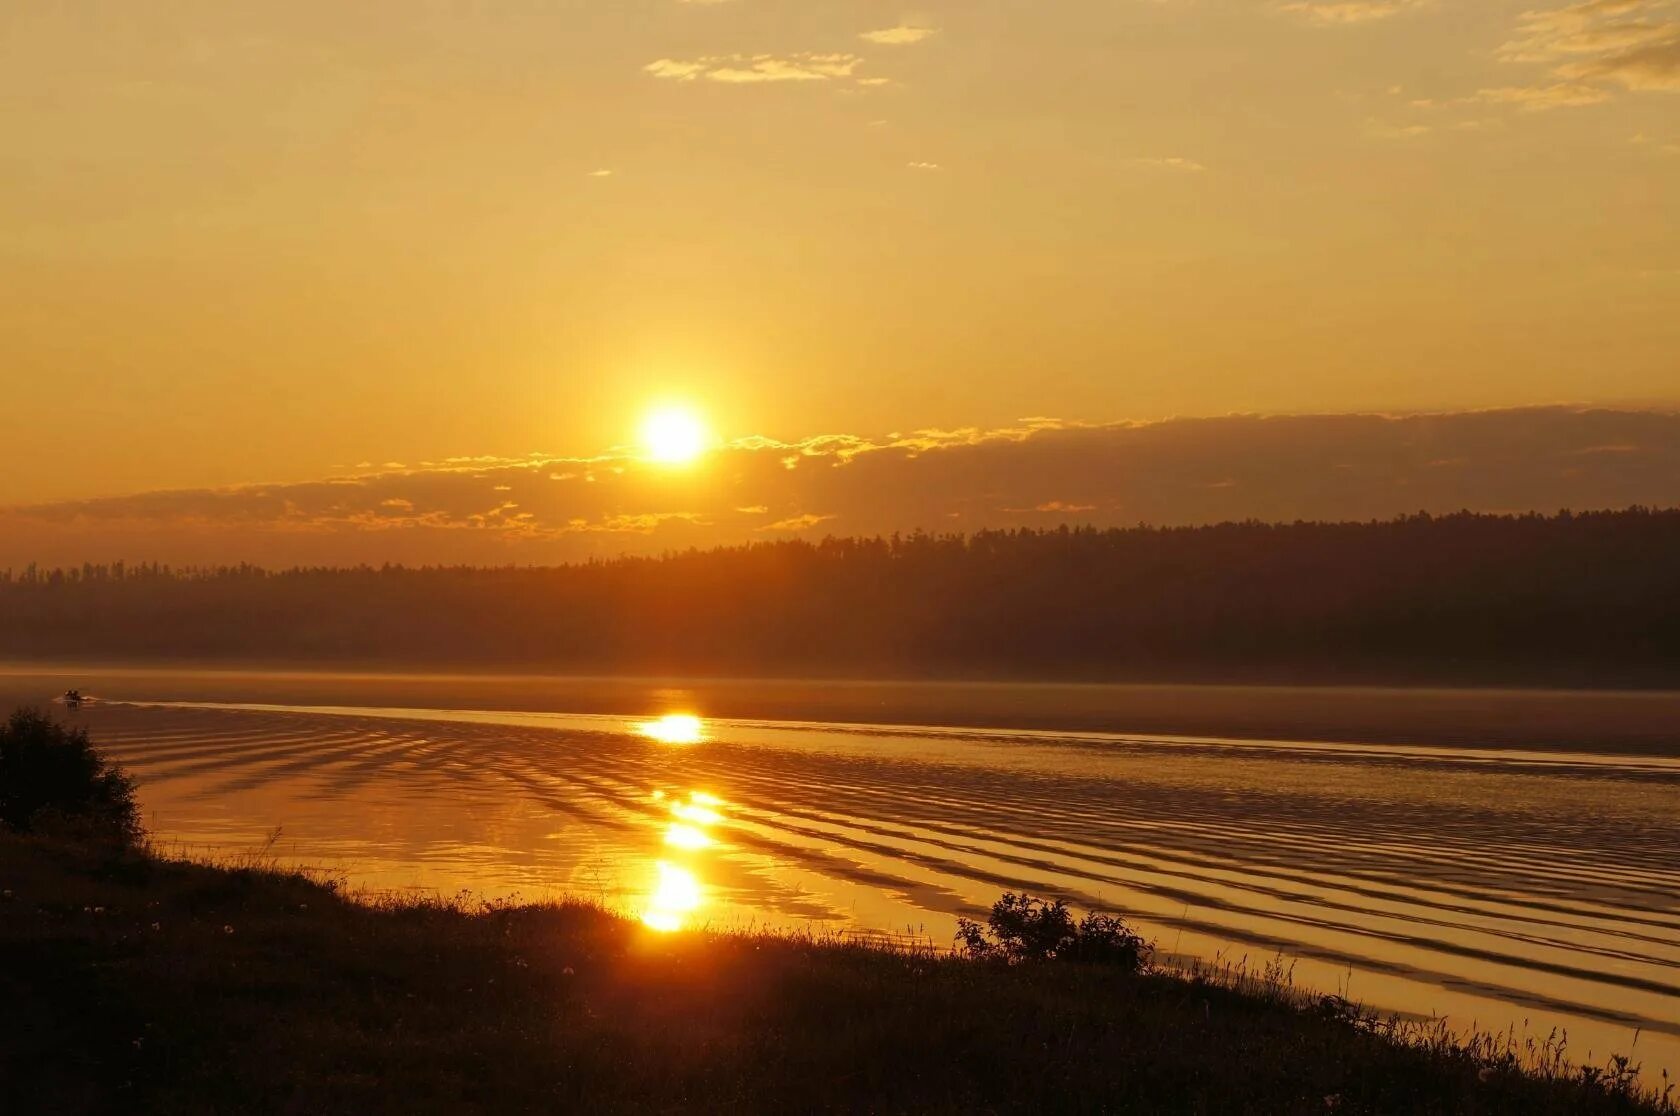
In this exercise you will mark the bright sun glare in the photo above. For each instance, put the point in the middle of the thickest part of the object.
(673, 728)
(674, 897)
(674, 435)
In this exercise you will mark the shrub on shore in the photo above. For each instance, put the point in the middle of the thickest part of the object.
(1024, 927)
(53, 781)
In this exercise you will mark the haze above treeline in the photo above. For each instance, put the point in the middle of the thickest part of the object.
(1575, 598)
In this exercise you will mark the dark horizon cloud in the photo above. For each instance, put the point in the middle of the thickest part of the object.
(1040, 473)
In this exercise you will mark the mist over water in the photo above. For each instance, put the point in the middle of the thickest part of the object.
(1504, 881)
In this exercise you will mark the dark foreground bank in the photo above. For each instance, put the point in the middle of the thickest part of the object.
(136, 984)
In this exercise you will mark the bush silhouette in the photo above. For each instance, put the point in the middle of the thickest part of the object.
(1024, 928)
(53, 781)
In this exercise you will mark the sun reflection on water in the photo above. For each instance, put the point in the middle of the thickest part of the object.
(686, 836)
(674, 728)
(677, 890)
(699, 815)
(675, 896)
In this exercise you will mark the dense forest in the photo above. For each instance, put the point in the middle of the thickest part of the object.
(1589, 598)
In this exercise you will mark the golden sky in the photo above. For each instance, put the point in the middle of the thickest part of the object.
(268, 242)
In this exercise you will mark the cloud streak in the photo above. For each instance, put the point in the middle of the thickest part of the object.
(1590, 49)
(901, 35)
(1335, 13)
(1038, 473)
(759, 69)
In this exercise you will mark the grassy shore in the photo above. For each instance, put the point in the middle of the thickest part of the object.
(137, 984)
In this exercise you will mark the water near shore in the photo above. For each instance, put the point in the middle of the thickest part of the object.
(1504, 859)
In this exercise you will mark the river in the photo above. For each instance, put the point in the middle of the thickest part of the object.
(1501, 858)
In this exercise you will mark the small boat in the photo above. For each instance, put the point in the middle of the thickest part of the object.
(72, 699)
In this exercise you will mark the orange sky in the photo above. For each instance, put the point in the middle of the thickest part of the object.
(262, 242)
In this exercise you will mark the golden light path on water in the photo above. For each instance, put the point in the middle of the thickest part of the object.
(678, 890)
(1497, 886)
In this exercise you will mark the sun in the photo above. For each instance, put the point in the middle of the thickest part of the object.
(674, 435)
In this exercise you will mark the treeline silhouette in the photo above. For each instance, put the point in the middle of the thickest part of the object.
(1590, 598)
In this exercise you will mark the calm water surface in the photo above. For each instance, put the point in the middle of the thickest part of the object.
(1499, 875)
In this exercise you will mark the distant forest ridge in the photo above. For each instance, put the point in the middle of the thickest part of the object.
(1582, 598)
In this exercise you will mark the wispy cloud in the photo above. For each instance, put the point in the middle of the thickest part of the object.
(1562, 94)
(1589, 49)
(1335, 13)
(797, 523)
(754, 69)
(676, 71)
(902, 35)
(1062, 507)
